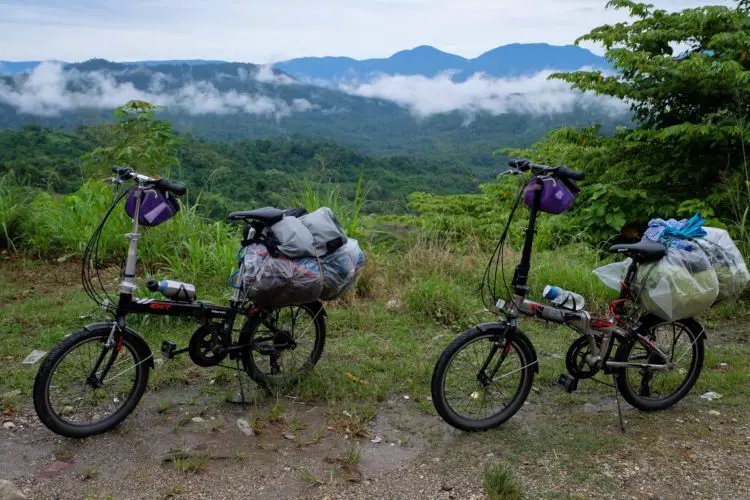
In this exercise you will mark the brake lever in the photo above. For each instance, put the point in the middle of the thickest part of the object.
(510, 171)
(113, 180)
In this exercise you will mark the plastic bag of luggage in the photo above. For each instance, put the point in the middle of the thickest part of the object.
(726, 261)
(270, 281)
(340, 269)
(614, 273)
(326, 231)
(681, 285)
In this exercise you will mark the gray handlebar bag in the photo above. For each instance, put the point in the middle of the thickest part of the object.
(326, 231)
(293, 238)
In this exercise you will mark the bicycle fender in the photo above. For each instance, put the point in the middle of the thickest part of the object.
(500, 327)
(135, 339)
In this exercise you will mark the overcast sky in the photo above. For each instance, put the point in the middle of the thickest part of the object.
(264, 31)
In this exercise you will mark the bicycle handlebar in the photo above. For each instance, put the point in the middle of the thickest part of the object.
(127, 173)
(562, 172)
(172, 187)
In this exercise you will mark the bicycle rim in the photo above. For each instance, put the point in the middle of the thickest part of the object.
(677, 341)
(76, 402)
(473, 400)
(286, 344)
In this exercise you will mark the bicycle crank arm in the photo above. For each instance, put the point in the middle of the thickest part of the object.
(625, 364)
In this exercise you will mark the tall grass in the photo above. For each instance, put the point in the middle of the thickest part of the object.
(349, 213)
(12, 206)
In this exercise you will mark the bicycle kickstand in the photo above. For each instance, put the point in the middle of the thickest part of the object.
(617, 398)
(239, 382)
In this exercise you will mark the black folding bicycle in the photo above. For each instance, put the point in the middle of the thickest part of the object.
(485, 374)
(94, 378)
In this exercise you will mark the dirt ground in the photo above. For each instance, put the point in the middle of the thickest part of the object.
(680, 453)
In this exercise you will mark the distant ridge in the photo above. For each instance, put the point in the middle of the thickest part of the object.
(516, 59)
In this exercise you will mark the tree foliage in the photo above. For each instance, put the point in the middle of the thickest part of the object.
(686, 77)
(138, 141)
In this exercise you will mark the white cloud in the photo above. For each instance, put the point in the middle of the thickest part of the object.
(49, 91)
(264, 31)
(265, 74)
(533, 95)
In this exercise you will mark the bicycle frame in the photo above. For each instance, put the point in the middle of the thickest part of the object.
(599, 332)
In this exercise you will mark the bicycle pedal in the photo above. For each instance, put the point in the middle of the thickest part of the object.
(567, 382)
(167, 348)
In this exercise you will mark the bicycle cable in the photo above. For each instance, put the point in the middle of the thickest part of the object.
(489, 280)
(98, 294)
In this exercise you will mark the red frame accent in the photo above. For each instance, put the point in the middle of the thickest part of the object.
(119, 343)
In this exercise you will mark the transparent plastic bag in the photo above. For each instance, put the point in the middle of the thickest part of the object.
(680, 285)
(726, 261)
(612, 274)
(341, 269)
(338, 271)
(270, 281)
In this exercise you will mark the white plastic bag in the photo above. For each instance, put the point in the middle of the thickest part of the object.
(681, 285)
(612, 274)
(726, 261)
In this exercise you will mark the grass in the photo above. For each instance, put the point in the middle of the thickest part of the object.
(352, 457)
(185, 463)
(500, 483)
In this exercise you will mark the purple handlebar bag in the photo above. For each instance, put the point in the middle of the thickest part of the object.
(156, 207)
(556, 195)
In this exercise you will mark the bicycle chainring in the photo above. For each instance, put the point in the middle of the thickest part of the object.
(575, 360)
(203, 351)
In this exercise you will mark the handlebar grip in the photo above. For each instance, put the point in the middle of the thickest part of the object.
(574, 175)
(522, 165)
(152, 285)
(170, 186)
(122, 171)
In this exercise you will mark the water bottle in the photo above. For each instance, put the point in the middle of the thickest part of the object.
(175, 290)
(563, 298)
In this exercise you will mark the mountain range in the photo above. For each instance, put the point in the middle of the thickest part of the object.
(504, 61)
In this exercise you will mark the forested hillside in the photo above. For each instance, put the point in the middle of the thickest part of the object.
(240, 174)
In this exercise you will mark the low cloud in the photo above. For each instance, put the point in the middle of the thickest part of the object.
(49, 91)
(534, 95)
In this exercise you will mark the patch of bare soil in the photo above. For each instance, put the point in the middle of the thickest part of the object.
(181, 444)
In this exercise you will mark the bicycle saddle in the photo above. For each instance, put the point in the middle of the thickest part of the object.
(268, 215)
(643, 251)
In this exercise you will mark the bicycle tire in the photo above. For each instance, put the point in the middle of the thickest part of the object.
(623, 354)
(519, 343)
(45, 410)
(250, 330)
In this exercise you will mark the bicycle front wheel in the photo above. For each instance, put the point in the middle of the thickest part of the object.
(482, 379)
(650, 389)
(85, 387)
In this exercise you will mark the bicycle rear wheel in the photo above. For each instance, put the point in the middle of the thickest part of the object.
(482, 379)
(651, 389)
(84, 387)
(284, 343)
